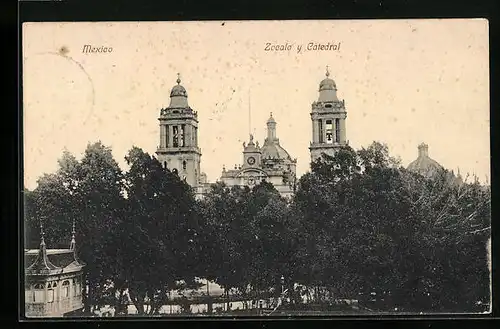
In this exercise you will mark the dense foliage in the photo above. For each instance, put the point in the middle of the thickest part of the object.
(358, 227)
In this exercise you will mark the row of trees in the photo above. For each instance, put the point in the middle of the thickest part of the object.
(358, 225)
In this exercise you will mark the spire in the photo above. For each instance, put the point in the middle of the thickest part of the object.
(72, 245)
(42, 263)
(42, 237)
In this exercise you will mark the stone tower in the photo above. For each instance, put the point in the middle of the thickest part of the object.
(251, 154)
(178, 149)
(328, 117)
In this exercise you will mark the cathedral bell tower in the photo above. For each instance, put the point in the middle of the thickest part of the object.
(178, 149)
(328, 117)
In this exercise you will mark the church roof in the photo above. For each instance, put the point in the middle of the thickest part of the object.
(178, 95)
(327, 89)
(45, 261)
(424, 164)
(273, 150)
(54, 261)
(327, 83)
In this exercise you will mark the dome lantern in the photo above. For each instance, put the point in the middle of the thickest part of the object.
(423, 150)
(424, 165)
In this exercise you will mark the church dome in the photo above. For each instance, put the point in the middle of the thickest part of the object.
(178, 95)
(271, 148)
(274, 151)
(327, 83)
(424, 165)
(327, 89)
(178, 90)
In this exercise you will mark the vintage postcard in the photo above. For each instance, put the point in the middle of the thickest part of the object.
(256, 168)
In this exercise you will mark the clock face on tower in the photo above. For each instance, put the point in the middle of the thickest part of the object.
(251, 160)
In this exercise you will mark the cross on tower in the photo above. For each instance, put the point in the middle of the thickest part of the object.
(178, 78)
(327, 71)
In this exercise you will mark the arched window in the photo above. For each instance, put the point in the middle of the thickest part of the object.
(164, 164)
(175, 130)
(320, 124)
(337, 130)
(184, 164)
(329, 131)
(65, 286)
(39, 293)
(50, 293)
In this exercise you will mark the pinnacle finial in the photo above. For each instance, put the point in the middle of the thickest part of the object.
(178, 78)
(251, 138)
(271, 114)
(327, 71)
(73, 241)
(42, 233)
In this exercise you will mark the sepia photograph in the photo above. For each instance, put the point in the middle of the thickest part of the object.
(256, 168)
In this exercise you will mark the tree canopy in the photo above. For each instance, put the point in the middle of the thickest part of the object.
(359, 226)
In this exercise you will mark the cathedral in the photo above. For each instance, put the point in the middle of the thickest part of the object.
(178, 149)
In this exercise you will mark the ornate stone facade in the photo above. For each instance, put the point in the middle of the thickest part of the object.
(271, 163)
(178, 149)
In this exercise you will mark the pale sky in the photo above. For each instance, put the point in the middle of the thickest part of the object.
(403, 81)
